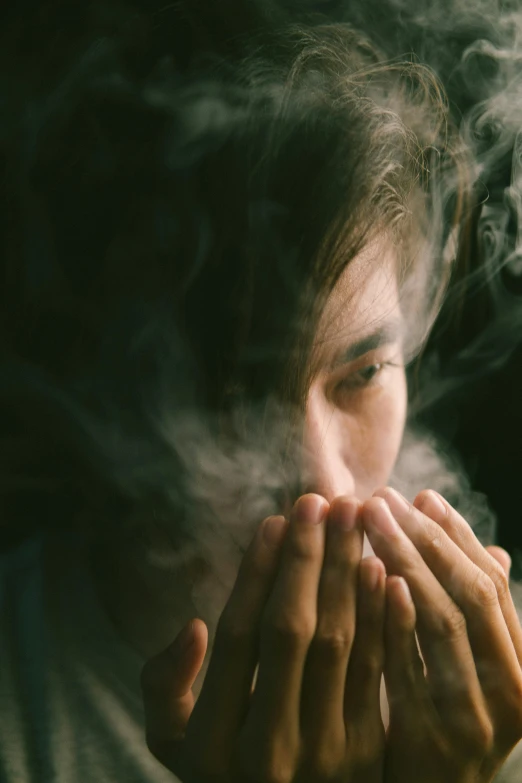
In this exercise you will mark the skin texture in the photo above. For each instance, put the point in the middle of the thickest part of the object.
(315, 711)
(353, 429)
(458, 711)
(314, 714)
(356, 411)
(291, 693)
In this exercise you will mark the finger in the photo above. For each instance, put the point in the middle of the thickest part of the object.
(363, 681)
(472, 590)
(441, 627)
(327, 659)
(501, 556)
(288, 625)
(406, 687)
(166, 681)
(460, 532)
(231, 669)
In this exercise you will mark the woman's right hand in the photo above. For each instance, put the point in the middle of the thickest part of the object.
(314, 713)
(454, 644)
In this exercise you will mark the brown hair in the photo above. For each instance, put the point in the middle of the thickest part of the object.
(175, 231)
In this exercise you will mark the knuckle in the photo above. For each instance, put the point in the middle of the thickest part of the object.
(333, 642)
(289, 629)
(483, 590)
(459, 530)
(500, 580)
(340, 561)
(305, 550)
(433, 537)
(370, 669)
(453, 622)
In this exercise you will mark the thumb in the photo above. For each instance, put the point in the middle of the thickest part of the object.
(166, 682)
(501, 556)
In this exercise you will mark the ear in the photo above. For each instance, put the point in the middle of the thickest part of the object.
(501, 556)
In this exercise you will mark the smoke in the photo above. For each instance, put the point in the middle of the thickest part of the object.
(475, 46)
(219, 488)
(426, 462)
(231, 484)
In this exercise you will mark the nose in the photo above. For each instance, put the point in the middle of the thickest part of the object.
(327, 459)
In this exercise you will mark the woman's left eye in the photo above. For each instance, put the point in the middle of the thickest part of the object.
(365, 376)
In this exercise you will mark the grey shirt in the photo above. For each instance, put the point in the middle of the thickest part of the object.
(70, 702)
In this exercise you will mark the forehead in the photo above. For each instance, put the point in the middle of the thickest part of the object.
(365, 296)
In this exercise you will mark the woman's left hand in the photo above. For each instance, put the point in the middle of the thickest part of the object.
(455, 712)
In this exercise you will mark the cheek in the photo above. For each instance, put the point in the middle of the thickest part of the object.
(377, 435)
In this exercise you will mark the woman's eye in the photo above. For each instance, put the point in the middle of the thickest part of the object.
(368, 373)
(363, 377)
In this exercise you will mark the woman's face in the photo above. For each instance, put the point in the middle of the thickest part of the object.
(356, 406)
(354, 422)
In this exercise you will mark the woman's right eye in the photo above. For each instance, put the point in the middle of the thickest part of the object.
(363, 377)
(367, 374)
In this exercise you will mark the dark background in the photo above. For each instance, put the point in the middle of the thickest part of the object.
(481, 416)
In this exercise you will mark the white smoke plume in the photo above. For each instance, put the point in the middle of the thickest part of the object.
(476, 49)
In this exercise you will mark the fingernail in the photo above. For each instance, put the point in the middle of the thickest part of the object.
(397, 502)
(379, 517)
(432, 505)
(343, 513)
(273, 531)
(309, 510)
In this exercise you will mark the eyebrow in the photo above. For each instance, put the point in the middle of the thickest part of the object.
(387, 333)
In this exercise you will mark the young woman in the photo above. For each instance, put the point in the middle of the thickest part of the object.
(216, 271)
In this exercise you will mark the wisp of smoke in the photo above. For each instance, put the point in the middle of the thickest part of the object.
(476, 49)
